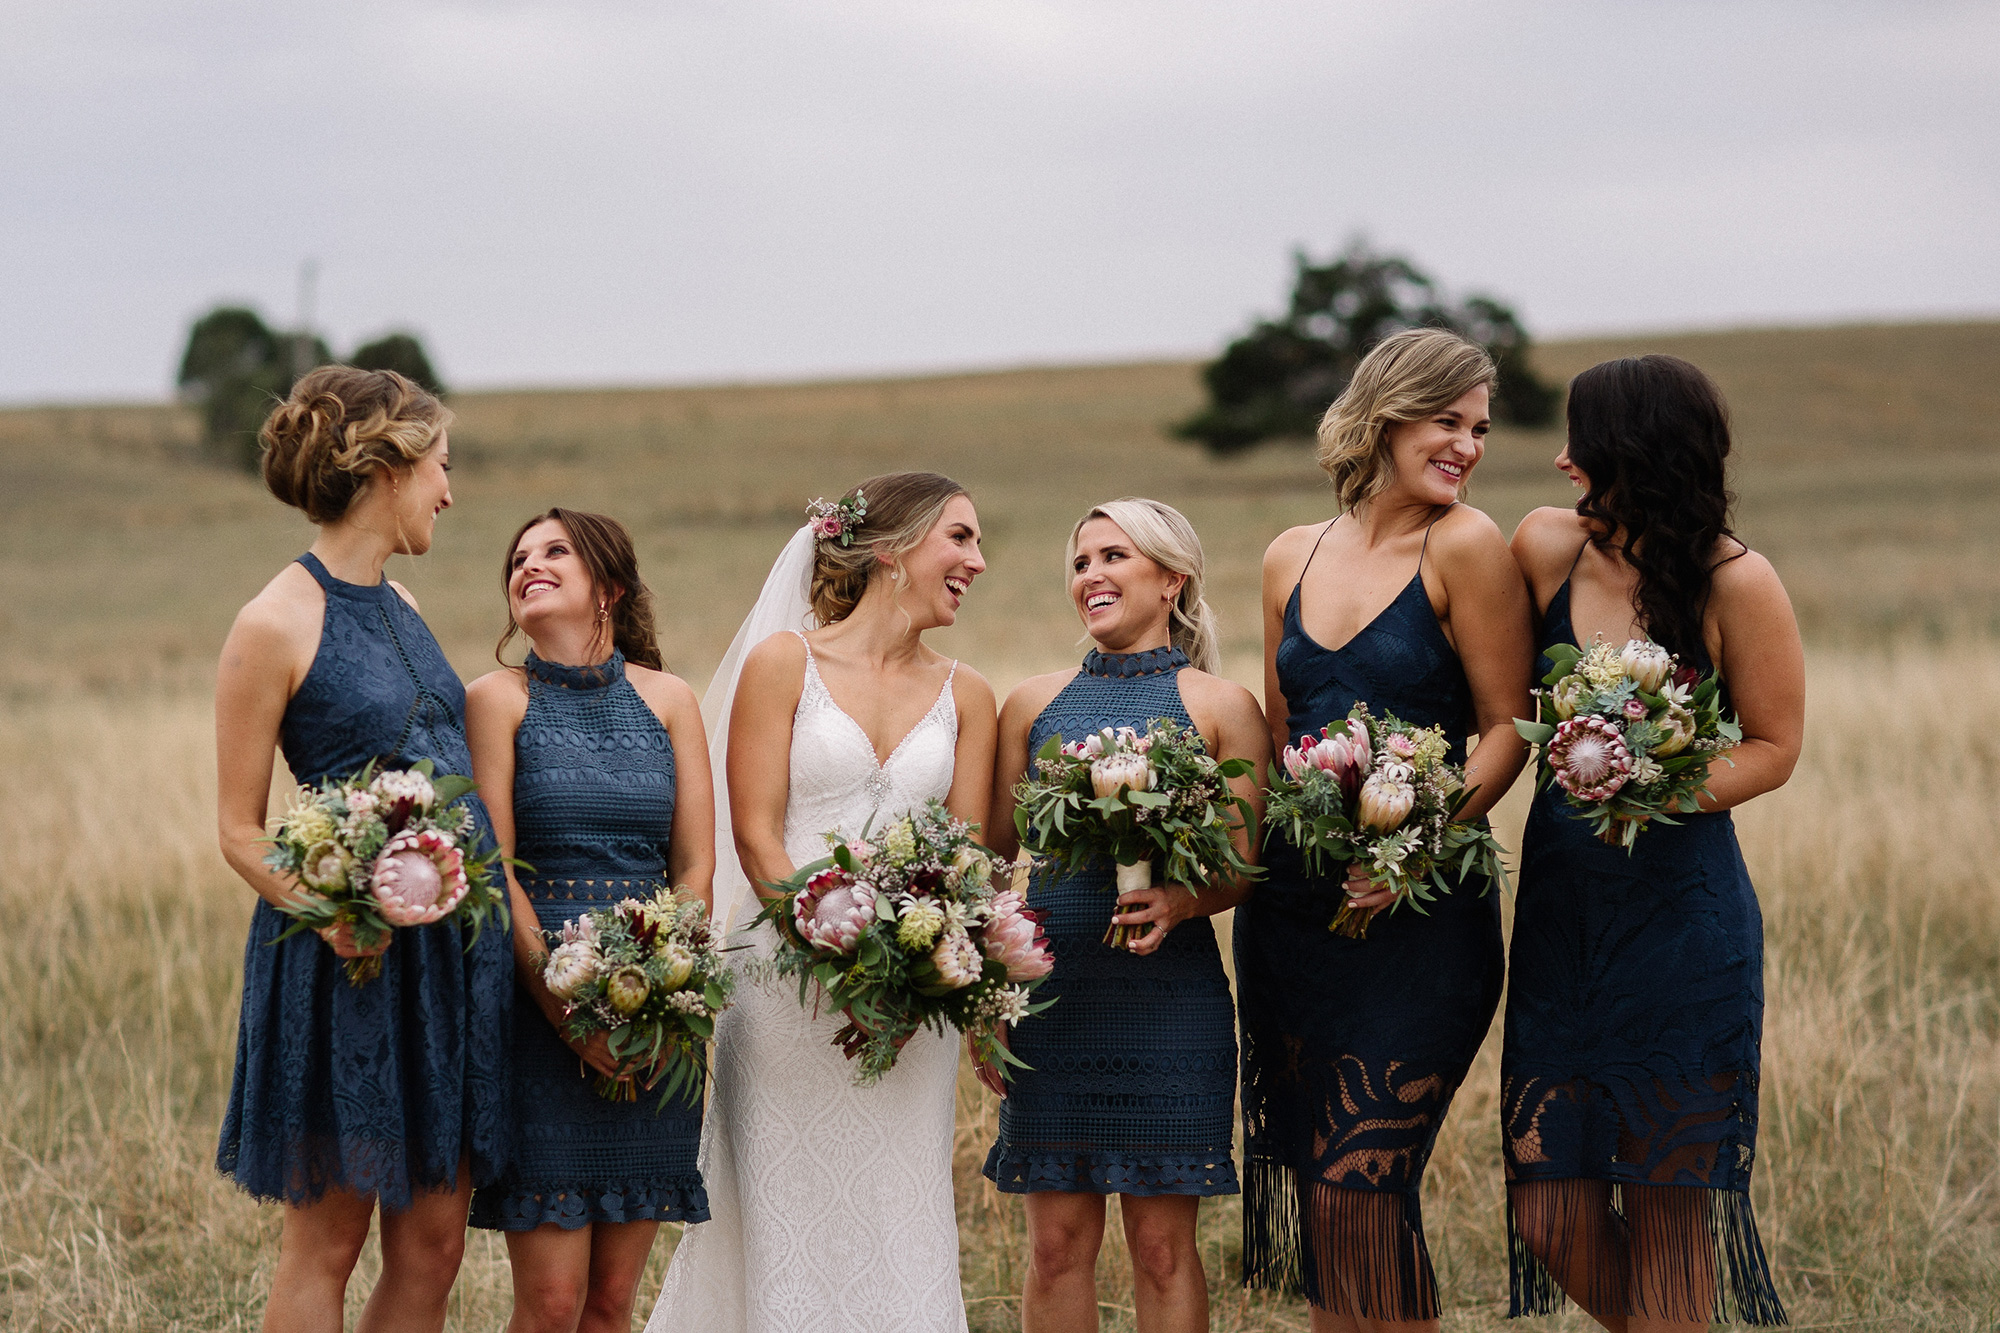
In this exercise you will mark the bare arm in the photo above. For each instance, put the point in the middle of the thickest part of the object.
(1011, 758)
(691, 853)
(760, 747)
(1764, 664)
(269, 650)
(1489, 622)
(1281, 571)
(970, 797)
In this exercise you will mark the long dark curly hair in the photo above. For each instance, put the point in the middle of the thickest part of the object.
(1652, 435)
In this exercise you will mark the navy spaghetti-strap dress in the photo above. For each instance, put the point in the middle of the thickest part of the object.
(1353, 1048)
(593, 810)
(1632, 1047)
(386, 1087)
(1132, 1088)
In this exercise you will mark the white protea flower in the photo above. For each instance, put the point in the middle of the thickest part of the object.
(957, 959)
(1647, 664)
(326, 867)
(570, 968)
(398, 785)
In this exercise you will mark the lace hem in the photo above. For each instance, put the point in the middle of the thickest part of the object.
(570, 1204)
(1356, 1252)
(1704, 1261)
(1141, 1175)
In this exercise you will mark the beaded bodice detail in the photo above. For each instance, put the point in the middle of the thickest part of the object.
(593, 776)
(1151, 662)
(380, 688)
(837, 780)
(1113, 698)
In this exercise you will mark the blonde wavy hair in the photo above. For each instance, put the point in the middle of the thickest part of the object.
(903, 507)
(1163, 535)
(1405, 377)
(341, 426)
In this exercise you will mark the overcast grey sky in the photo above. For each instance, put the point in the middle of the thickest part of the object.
(612, 191)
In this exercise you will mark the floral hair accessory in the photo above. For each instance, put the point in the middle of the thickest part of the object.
(837, 520)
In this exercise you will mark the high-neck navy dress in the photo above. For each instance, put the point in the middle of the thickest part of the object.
(593, 814)
(1632, 1048)
(1132, 1088)
(1353, 1049)
(386, 1087)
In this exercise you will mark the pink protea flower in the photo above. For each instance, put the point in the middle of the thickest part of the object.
(833, 911)
(1635, 709)
(1401, 746)
(1341, 754)
(1589, 758)
(1386, 802)
(957, 959)
(418, 878)
(1013, 936)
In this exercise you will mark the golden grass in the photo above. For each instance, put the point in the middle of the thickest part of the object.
(121, 936)
(1867, 471)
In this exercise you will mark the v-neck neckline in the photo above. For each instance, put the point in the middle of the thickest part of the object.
(881, 764)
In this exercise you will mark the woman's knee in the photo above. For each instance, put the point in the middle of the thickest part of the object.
(1060, 1247)
(549, 1302)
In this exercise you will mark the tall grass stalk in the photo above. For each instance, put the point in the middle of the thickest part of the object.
(1878, 1183)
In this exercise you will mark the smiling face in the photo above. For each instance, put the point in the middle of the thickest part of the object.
(1126, 599)
(1434, 456)
(418, 495)
(549, 585)
(1571, 470)
(938, 572)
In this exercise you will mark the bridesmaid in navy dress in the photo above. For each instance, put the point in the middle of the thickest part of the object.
(1353, 1048)
(1133, 1085)
(1629, 1106)
(595, 766)
(393, 1092)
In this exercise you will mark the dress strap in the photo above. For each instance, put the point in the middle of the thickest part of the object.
(1422, 550)
(1315, 551)
(1576, 560)
(949, 675)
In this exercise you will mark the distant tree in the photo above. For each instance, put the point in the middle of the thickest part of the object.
(235, 367)
(402, 353)
(1278, 379)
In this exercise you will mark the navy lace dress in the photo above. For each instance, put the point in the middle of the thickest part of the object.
(1353, 1049)
(593, 809)
(1133, 1085)
(383, 1088)
(1632, 1034)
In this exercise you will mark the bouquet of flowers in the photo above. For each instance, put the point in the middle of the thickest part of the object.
(906, 931)
(1628, 734)
(1131, 797)
(383, 849)
(1381, 795)
(648, 973)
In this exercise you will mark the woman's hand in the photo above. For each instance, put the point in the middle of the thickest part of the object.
(340, 938)
(1363, 892)
(594, 1050)
(985, 1071)
(1159, 906)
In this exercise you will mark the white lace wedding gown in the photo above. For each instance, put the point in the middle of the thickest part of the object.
(830, 1206)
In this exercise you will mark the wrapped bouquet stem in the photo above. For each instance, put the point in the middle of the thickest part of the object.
(1143, 801)
(1380, 795)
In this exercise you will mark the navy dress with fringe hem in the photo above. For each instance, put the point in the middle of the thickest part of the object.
(1629, 1074)
(1132, 1088)
(593, 810)
(385, 1088)
(1354, 1048)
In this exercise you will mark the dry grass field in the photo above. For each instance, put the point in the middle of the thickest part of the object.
(1868, 471)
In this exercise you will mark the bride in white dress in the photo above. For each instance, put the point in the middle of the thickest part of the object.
(830, 1205)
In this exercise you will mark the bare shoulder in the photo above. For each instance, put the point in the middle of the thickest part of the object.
(972, 692)
(406, 595)
(1219, 698)
(498, 694)
(1026, 701)
(1547, 540)
(1286, 555)
(663, 691)
(1466, 533)
(1744, 577)
(288, 613)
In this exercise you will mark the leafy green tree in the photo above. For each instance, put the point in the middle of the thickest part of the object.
(1277, 380)
(235, 368)
(402, 353)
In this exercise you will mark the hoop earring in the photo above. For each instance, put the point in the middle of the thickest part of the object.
(601, 613)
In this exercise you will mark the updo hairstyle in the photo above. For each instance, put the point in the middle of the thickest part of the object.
(1405, 377)
(339, 427)
(1163, 535)
(1652, 435)
(604, 547)
(903, 507)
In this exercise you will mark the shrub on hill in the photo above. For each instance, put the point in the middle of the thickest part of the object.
(1277, 380)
